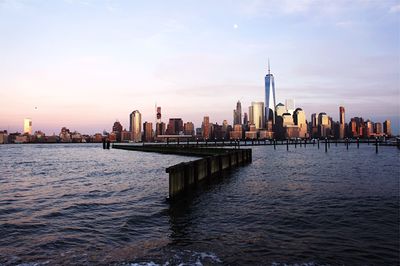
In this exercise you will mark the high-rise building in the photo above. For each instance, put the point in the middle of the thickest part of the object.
(353, 128)
(237, 114)
(206, 128)
(257, 116)
(341, 123)
(378, 128)
(135, 126)
(280, 109)
(245, 119)
(270, 102)
(290, 106)
(147, 131)
(117, 129)
(188, 128)
(237, 132)
(299, 119)
(369, 129)
(160, 128)
(387, 128)
(323, 125)
(287, 119)
(175, 126)
(28, 126)
(158, 114)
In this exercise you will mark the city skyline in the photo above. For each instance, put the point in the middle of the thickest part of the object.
(60, 70)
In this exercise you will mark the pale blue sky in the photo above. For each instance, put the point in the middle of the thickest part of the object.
(86, 63)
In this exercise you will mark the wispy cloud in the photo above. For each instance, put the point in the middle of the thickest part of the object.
(394, 9)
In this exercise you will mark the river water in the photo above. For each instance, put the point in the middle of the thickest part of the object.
(77, 204)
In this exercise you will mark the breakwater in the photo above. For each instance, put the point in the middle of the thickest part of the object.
(186, 175)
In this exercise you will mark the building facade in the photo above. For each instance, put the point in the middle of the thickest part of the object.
(341, 123)
(135, 126)
(257, 116)
(28, 126)
(237, 114)
(270, 101)
(147, 131)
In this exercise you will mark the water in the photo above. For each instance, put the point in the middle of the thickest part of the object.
(79, 204)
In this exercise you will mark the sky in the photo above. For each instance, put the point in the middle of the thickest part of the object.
(84, 64)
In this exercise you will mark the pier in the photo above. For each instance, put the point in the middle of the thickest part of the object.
(185, 176)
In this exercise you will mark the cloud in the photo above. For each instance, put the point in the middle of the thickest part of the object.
(346, 24)
(394, 9)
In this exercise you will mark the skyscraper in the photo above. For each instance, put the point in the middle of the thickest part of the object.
(290, 106)
(175, 126)
(387, 129)
(270, 102)
(299, 119)
(147, 131)
(257, 116)
(206, 128)
(135, 126)
(158, 114)
(341, 122)
(237, 114)
(188, 128)
(28, 126)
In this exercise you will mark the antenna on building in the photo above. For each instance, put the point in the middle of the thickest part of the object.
(269, 69)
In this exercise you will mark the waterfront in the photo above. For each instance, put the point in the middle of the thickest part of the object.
(79, 204)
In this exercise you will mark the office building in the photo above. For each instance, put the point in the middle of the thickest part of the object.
(270, 101)
(341, 123)
(290, 106)
(256, 114)
(299, 119)
(158, 114)
(237, 114)
(135, 126)
(175, 126)
(324, 129)
(117, 129)
(206, 128)
(245, 119)
(28, 126)
(369, 129)
(387, 128)
(188, 128)
(237, 132)
(147, 131)
(378, 128)
(280, 109)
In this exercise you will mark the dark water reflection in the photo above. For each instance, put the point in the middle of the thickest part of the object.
(78, 204)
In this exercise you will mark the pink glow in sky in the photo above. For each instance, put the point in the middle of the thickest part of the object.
(84, 64)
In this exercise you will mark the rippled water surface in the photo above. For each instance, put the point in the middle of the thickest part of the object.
(79, 204)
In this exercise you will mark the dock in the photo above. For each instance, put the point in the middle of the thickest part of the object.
(187, 175)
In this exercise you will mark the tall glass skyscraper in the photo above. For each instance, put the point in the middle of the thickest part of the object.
(270, 102)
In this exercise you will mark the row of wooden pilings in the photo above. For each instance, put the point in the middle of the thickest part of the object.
(328, 144)
(187, 175)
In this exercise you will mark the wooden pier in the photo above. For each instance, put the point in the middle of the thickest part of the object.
(185, 176)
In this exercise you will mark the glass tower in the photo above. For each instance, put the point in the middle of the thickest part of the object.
(270, 102)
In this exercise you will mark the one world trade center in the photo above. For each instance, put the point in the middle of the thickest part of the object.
(270, 102)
